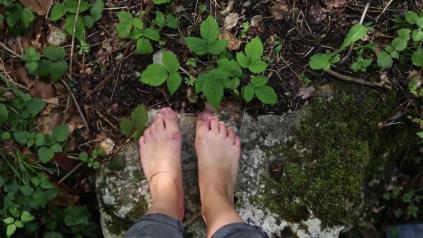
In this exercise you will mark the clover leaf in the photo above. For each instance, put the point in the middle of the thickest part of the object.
(251, 59)
(167, 71)
(209, 43)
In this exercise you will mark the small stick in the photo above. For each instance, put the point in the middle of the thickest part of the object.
(358, 81)
(384, 10)
(70, 172)
(73, 37)
(76, 103)
(10, 50)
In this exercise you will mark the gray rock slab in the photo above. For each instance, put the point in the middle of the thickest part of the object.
(123, 190)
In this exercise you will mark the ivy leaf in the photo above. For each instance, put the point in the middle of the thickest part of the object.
(170, 61)
(144, 46)
(154, 75)
(266, 95)
(213, 92)
(384, 60)
(254, 49)
(248, 93)
(217, 47)
(356, 33)
(26, 216)
(417, 57)
(58, 70)
(54, 53)
(259, 81)
(171, 21)
(57, 12)
(411, 17)
(126, 127)
(45, 154)
(174, 82)
(97, 10)
(242, 60)
(320, 61)
(196, 45)
(209, 30)
(61, 132)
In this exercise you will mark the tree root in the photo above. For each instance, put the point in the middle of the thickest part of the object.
(359, 81)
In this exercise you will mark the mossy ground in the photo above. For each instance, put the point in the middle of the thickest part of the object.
(333, 152)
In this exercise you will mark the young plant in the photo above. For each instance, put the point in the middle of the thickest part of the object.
(91, 159)
(392, 51)
(251, 59)
(167, 71)
(257, 87)
(163, 20)
(18, 18)
(323, 61)
(13, 223)
(52, 64)
(135, 125)
(130, 27)
(213, 83)
(88, 15)
(209, 43)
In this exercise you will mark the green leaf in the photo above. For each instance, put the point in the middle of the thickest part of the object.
(254, 49)
(26, 216)
(259, 81)
(417, 35)
(151, 34)
(137, 23)
(266, 95)
(30, 54)
(124, 26)
(257, 66)
(160, 19)
(230, 66)
(27, 17)
(19, 224)
(9, 220)
(139, 117)
(79, 26)
(45, 154)
(58, 69)
(171, 21)
(10, 230)
(320, 61)
(83, 156)
(161, 1)
(213, 92)
(72, 6)
(356, 33)
(170, 61)
(4, 113)
(54, 53)
(174, 82)
(88, 21)
(40, 139)
(217, 47)
(242, 60)
(384, 60)
(21, 137)
(57, 12)
(61, 132)
(97, 10)
(399, 45)
(411, 17)
(404, 34)
(209, 30)
(248, 93)
(144, 46)
(417, 57)
(35, 106)
(154, 75)
(126, 127)
(231, 84)
(196, 45)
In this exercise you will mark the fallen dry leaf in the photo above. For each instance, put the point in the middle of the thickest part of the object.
(22, 76)
(336, 3)
(231, 21)
(42, 90)
(75, 122)
(279, 9)
(306, 92)
(46, 123)
(256, 20)
(233, 42)
(317, 14)
(39, 6)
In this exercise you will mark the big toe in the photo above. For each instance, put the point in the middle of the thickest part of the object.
(203, 122)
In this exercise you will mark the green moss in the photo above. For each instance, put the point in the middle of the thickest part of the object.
(333, 151)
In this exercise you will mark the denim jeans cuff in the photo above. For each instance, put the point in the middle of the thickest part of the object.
(230, 229)
(163, 219)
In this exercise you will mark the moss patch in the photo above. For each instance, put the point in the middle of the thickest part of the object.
(332, 153)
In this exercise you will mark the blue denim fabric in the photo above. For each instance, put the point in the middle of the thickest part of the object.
(161, 226)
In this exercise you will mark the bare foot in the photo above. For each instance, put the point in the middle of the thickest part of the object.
(160, 152)
(218, 151)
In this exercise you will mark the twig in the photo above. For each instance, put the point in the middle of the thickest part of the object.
(358, 81)
(10, 50)
(70, 172)
(384, 10)
(76, 103)
(73, 37)
(365, 11)
(186, 72)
